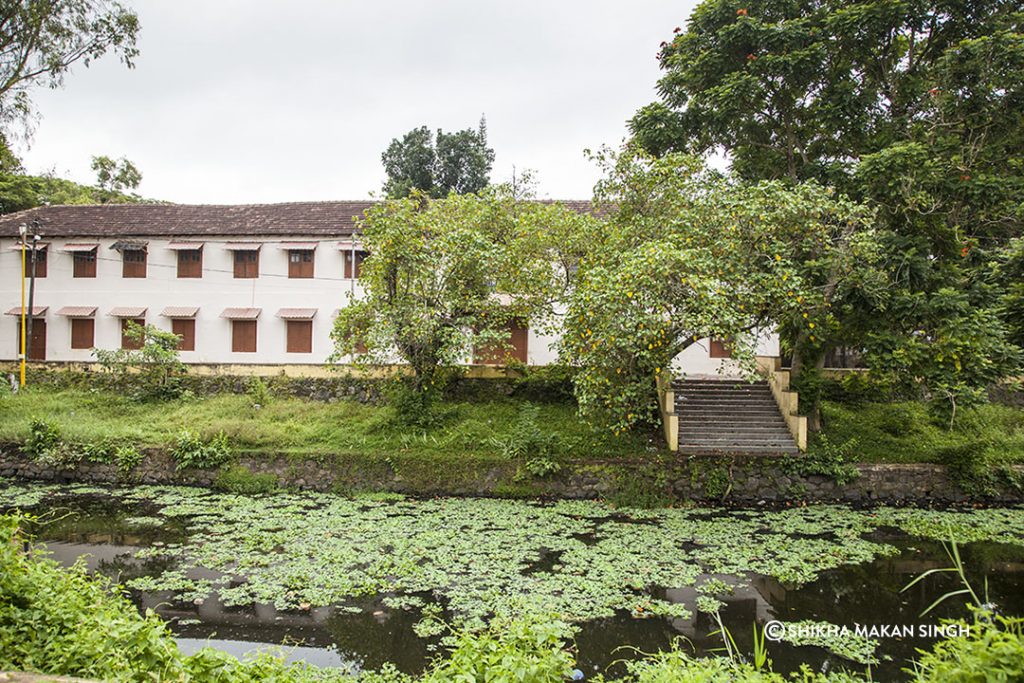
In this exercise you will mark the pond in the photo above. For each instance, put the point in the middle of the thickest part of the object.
(357, 582)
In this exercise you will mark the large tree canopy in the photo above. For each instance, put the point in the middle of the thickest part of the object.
(458, 162)
(40, 40)
(684, 253)
(914, 107)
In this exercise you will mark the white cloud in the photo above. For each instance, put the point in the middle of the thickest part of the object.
(236, 101)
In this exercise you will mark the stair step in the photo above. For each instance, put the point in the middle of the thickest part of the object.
(729, 430)
(726, 411)
(749, 450)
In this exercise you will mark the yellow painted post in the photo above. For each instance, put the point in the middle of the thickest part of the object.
(21, 377)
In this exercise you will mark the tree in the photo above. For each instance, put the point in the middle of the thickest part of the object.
(686, 253)
(912, 107)
(154, 362)
(444, 277)
(40, 40)
(457, 162)
(114, 177)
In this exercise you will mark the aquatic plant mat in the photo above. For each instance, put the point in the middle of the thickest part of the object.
(366, 580)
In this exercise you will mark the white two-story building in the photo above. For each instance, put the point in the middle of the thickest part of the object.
(251, 284)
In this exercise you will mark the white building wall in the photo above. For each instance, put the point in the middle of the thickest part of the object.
(218, 289)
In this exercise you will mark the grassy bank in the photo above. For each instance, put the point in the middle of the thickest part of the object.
(905, 432)
(303, 427)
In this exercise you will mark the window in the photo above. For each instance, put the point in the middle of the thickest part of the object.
(514, 348)
(83, 331)
(190, 263)
(186, 329)
(127, 342)
(243, 336)
(300, 263)
(360, 257)
(247, 264)
(85, 263)
(134, 263)
(720, 348)
(40, 262)
(300, 336)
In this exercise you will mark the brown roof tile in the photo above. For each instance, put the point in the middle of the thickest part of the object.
(335, 219)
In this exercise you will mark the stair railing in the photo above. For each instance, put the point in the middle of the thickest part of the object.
(788, 401)
(667, 408)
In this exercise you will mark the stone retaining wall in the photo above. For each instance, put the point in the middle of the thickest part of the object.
(740, 481)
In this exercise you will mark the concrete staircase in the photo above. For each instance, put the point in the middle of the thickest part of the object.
(731, 416)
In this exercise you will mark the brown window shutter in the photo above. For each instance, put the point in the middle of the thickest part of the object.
(247, 264)
(82, 333)
(40, 262)
(134, 263)
(126, 342)
(300, 263)
(360, 256)
(720, 348)
(85, 264)
(300, 336)
(186, 329)
(37, 344)
(518, 336)
(190, 263)
(243, 336)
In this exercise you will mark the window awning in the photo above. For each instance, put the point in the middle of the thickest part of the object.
(296, 313)
(180, 312)
(241, 313)
(128, 312)
(40, 246)
(37, 311)
(185, 246)
(243, 246)
(79, 246)
(350, 245)
(77, 311)
(299, 246)
(130, 245)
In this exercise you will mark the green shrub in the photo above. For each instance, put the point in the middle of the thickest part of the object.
(528, 444)
(544, 383)
(240, 479)
(43, 441)
(152, 371)
(414, 406)
(64, 622)
(827, 458)
(993, 651)
(258, 392)
(191, 452)
(127, 458)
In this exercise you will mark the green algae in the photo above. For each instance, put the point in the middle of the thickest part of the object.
(575, 560)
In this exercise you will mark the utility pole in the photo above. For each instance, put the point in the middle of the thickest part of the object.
(23, 230)
(32, 285)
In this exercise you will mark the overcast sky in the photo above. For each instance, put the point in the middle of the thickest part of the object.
(254, 101)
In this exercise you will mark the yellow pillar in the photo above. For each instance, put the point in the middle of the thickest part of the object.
(23, 324)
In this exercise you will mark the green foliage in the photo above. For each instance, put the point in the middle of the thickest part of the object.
(685, 254)
(258, 392)
(459, 162)
(240, 479)
(790, 90)
(155, 362)
(445, 279)
(114, 177)
(127, 458)
(43, 40)
(64, 622)
(827, 458)
(527, 443)
(993, 651)
(43, 441)
(192, 452)
(544, 383)
(509, 650)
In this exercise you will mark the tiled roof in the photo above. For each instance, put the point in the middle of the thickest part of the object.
(189, 220)
(296, 313)
(241, 313)
(335, 219)
(37, 311)
(77, 311)
(128, 311)
(180, 312)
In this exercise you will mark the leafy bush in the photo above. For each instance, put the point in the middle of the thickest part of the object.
(258, 392)
(528, 444)
(191, 452)
(543, 383)
(827, 458)
(153, 370)
(993, 651)
(414, 406)
(43, 442)
(240, 479)
(127, 458)
(64, 622)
